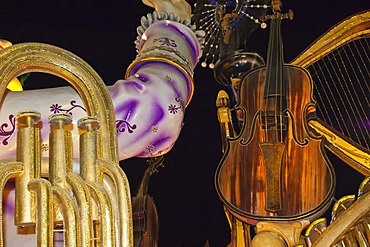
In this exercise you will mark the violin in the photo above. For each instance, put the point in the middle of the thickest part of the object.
(276, 168)
(145, 215)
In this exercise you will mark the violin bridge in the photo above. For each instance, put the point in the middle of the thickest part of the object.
(272, 157)
(273, 120)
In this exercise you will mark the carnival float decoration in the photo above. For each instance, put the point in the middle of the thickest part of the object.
(67, 185)
(63, 184)
(278, 120)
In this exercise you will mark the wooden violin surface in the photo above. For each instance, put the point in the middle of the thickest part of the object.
(275, 169)
(255, 172)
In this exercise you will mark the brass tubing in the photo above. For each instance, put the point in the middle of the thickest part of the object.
(8, 169)
(44, 225)
(88, 148)
(117, 186)
(28, 152)
(88, 155)
(107, 231)
(72, 230)
(345, 222)
(60, 149)
(34, 57)
(82, 195)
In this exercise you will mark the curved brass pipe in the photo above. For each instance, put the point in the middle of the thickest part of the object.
(9, 168)
(82, 194)
(118, 184)
(345, 221)
(70, 215)
(44, 222)
(36, 57)
(107, 229)
(112, 194)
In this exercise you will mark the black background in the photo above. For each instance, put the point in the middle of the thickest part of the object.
(102, 33)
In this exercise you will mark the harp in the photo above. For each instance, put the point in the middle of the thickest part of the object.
(339, 65)
(92, 208)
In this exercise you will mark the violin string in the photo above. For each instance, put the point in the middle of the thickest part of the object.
(281, 83)
(268, 81)
(277, 75)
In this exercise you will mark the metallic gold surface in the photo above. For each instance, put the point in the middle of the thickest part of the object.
(120, 190)
(354, 155)
(70, 216)
(35, 57)
(183, 69)
(28, 152)
(91, 209)
(350, 29)
(289, 231)
(351, 226)
(9, 169)
(44, 222)
(88, 148)
(60, 149)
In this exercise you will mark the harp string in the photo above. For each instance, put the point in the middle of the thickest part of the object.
(345, 95)
(321, 94)
(342, 86)
(358, 76)
(327, 77)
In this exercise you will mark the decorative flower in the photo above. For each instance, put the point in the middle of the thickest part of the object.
(173, 109)
(149, 149)
(55, 108)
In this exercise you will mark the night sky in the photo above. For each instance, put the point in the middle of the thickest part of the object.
(102, 33)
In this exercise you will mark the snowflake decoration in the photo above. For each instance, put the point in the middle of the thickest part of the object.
(220, 19)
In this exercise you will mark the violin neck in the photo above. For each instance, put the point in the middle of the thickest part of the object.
(274, 86)
(143, 188)
(154, 164)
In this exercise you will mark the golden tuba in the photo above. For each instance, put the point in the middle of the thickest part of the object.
(92, 208)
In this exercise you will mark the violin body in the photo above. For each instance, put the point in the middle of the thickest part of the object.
(275, 169)
(144, 210)
(146, 225)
